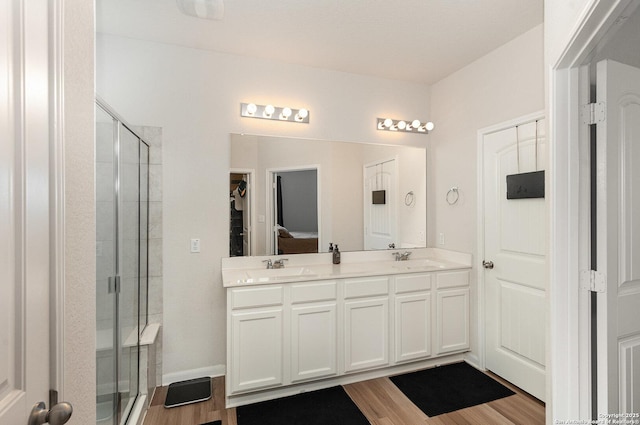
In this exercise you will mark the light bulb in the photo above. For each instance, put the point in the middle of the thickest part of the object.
(415, 123)
(251, 108)
(388, 122)
(303, 113)
(402, 125)
(429, 126)
(269, 110)
(286, 113)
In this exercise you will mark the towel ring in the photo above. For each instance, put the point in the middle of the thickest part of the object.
(453, 195)
(409, 199)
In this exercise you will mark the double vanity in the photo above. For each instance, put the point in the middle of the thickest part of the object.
(312, 324)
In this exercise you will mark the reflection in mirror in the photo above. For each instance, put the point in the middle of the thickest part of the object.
(367, 196)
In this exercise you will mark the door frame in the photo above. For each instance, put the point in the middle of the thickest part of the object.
(480, 358)
(250, 172)
(57, 193)
(270, 202)
(568, 251)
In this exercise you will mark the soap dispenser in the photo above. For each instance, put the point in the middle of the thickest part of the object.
(330, 246)
(336, 255)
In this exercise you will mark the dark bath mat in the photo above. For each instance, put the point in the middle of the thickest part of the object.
(447, 388)
(186, 392)
(323, 407)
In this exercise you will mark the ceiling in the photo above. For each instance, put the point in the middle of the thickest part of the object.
(412, 40)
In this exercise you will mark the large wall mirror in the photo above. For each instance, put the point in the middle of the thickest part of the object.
(292, 196)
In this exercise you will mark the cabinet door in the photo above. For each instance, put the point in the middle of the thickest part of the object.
(452, 320)
(256, 349)
(366, 336)
(412, 326)
(313, 341)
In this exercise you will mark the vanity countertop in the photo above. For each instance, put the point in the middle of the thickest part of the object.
(249, 271)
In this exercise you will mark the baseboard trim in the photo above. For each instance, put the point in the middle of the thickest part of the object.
(212, 371)
(473, 360)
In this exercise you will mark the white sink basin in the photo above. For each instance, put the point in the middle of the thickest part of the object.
(263, 275)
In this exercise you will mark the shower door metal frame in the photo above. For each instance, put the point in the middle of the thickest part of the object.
(114, 281)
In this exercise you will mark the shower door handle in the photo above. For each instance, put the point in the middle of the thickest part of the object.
(114, 285)
(59, 414)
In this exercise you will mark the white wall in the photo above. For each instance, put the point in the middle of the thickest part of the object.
(561, 19)
(195, 97)
(503, 85)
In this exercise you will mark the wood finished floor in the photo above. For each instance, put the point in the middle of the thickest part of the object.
(378, 399)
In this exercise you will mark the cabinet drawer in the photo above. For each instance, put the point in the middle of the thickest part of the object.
(366, 287)
(256, 297)
(309, 292)
(413, 283)
(452, 279)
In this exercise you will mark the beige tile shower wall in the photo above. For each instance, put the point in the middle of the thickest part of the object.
(153, 136)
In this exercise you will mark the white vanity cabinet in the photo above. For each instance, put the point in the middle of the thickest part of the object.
(412, 317)
(452, 311)
(256, 345)
(366, 323)
(313, 330)
(307, 333)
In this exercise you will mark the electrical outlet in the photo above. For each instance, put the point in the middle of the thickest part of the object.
(441, 238)
(195, 245)
(421, 236)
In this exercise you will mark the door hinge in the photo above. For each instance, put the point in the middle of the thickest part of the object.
(114, 285)
(593, 113)
(593, 280)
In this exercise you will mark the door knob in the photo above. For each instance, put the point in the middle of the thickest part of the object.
(57, 415)
(487, 264)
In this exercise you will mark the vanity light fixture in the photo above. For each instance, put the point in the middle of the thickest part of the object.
(270, 112)
(415, 126)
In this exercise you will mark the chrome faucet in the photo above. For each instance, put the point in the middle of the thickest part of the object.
(401, 257)
(279, 264)
(269, 263)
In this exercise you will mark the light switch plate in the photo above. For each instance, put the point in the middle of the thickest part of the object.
(195, 245)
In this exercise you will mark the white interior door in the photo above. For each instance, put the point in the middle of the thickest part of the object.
(514, 242)
(618, 238)
(24, 209)
(380, 220)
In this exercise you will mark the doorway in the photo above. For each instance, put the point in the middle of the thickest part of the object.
(512, 245)
(294, 209)
(240, 213)
(584, 218)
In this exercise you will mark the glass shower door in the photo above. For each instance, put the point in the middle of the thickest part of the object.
(122, 194)
(106, 299)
